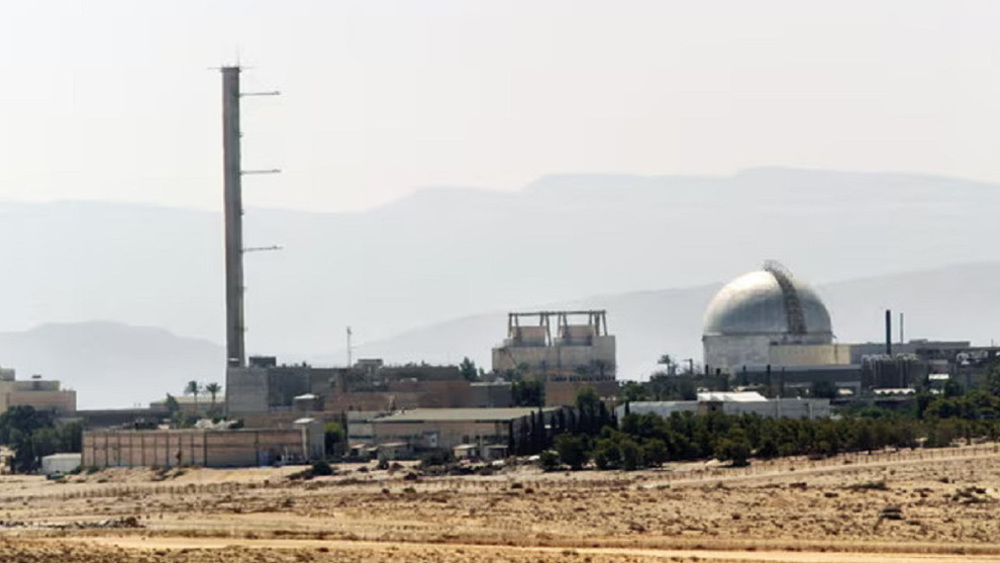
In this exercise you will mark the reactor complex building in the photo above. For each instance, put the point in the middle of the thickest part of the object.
(768, 318)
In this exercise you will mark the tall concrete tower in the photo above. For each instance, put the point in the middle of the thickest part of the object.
(233, 204)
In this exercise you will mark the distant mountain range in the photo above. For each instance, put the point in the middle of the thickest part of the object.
(111, 364)
(401, 273)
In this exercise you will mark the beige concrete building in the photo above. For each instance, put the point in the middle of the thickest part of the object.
(207, 448)
(42, 395)
(444, 429)
(557, 344)
(568, 350)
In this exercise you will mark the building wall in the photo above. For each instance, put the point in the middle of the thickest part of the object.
(778, 408)
(39, 394)
(558, 358)
(730, 353)
(810, 354)
(170, 448)
(773, 408)
(440, 434)
(63, 403)
(563, 393)
(246, 390)
(490, 395)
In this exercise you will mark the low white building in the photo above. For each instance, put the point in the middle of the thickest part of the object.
(746, 402)
(61, 463)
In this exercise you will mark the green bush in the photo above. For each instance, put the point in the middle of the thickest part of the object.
(548, 460)
(321, 468)
(573, 450)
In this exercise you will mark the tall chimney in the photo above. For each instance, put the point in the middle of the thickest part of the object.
(233, 206)
(901, 340)
(888, 332)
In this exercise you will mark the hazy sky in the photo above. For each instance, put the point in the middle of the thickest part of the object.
(113, 100)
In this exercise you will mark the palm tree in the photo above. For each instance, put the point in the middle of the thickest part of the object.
(213, 389)
(193, 388)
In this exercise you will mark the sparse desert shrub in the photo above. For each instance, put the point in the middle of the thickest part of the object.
(548, 460)
(321, 469)
(870, 486)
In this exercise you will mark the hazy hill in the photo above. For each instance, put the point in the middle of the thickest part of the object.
(448, 253)
(110, 364)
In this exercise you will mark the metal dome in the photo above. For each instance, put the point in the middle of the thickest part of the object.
(768, 302)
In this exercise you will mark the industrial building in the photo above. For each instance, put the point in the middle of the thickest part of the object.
(770, 331)
(446, 429)
(207, 448)
(264, 386)
(38, 393)
(769, 318)
(733, 403)
(568, 350)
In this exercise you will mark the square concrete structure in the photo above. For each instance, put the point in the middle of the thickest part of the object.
(40, 394)
(558, 345)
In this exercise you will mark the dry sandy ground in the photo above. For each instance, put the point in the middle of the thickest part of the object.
(787, 511)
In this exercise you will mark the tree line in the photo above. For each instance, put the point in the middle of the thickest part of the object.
(648, 440)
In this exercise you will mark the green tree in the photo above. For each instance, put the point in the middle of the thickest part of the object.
(654, 452)
(573, 450)
(468, 369)
(633, 391)
(71, 437)
(194, 389)
(528, 393)
(735, 447)
(333, 437)
(548, 460)
(631, 455)
(171, 403)
(991, 383)
(213, 389)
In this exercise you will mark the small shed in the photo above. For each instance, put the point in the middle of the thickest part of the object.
(494, 452)
(465, 451)
(61, 463)
(392, 451)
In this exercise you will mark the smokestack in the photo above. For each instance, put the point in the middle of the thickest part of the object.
(901, 341)
(233, 207)
(888, 331)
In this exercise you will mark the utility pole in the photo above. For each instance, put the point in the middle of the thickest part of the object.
(233, 211)
(349, 333)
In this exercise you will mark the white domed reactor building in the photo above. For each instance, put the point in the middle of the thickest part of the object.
(768, 318)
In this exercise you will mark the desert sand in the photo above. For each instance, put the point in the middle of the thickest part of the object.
(940, 506)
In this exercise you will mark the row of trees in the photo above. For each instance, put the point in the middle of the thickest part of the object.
(195, 389)
(646, 440)
(536, 434)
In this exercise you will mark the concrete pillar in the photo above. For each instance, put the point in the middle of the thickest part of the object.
(233, 205)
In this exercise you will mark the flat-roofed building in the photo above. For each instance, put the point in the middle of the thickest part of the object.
(444, 429)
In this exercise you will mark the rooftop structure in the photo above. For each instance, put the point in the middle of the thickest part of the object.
(557, 345)
(768, 317)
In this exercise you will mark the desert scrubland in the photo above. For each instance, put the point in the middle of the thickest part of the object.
(939, 505)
